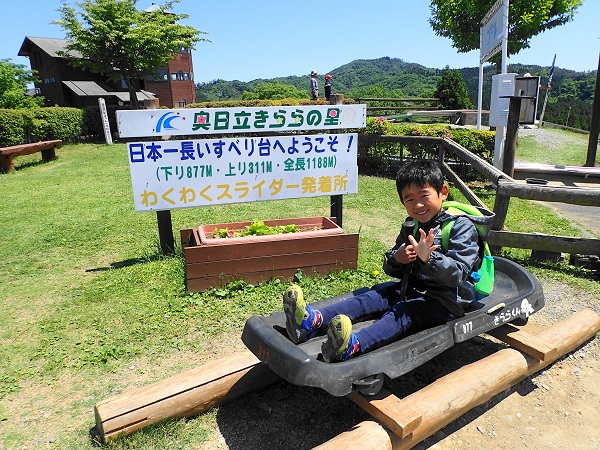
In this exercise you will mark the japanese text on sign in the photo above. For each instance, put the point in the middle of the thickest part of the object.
(189, 173)
(192, 121)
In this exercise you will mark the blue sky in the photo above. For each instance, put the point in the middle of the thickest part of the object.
(266, 39)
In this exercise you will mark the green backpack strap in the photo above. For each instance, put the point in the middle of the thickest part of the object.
(484, 277)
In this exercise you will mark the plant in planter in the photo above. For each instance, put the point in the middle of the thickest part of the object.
(318, 246)
(257, 228)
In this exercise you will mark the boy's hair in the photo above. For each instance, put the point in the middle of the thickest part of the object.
(421, 173)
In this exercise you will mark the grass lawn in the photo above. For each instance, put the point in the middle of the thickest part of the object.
(89, 307)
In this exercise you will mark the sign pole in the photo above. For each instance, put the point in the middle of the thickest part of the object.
(165, 232)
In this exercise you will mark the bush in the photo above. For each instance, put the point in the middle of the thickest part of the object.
(12, 127)
(21, 126)
(56, 123)
(92, 120)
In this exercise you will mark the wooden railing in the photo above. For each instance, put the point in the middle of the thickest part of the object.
(506, 188)
(400, 104)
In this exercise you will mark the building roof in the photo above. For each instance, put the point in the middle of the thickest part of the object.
(51, 46)
(93, 89)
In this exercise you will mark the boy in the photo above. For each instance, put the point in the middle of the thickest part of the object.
(439, 284)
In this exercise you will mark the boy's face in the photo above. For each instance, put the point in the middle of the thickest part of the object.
(422, 203)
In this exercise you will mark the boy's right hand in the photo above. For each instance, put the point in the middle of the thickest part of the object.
(405, 254)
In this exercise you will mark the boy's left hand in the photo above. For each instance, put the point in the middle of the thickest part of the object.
(425, 246)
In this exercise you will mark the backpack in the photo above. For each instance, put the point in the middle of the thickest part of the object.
(484, 277)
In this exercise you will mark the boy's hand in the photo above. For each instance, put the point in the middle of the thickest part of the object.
(405, 254)
(425, 246)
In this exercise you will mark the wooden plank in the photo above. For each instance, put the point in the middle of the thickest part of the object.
(567, 194)
(391, 411)
(528, 343)
(230, 252)
(270, 262)
(203, 283)
(544, 242)
(183, 395)
(405, 99)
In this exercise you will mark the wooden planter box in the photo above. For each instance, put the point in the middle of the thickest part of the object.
(213, 262)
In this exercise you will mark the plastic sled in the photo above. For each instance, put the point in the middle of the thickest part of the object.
(516, 295)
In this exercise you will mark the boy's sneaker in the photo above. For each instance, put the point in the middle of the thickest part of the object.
(301, 320)
(341, 343)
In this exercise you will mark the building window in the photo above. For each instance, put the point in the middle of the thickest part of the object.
(173, 76)
(160, 75)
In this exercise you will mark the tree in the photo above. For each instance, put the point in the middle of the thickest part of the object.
(274, 91)
(459, 20)
(14, 79)
(452, 90)
(116, 40)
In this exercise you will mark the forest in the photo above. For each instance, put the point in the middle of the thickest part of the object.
(569, 102)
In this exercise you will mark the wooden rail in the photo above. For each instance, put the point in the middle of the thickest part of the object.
(506, 188)
(399, 104)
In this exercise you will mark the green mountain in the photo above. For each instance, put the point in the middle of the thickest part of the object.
(570, 101)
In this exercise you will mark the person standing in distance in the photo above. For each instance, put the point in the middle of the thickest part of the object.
(314, 85)
(328, 78)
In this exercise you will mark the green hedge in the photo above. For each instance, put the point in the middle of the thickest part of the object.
(92, 123)
(56, 123)
(20, 126)
(12, 127)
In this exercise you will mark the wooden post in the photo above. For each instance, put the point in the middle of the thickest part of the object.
(336, 200)
(595, 124)
(510, 145)
(336, 208)
(336, 99)
(165, 232)
(453, 395)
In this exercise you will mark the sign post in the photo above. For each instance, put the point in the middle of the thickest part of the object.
(105, 123)
(494, 38)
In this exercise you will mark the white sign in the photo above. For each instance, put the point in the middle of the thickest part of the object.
(493, 30)
(188, 173)
(277, 119)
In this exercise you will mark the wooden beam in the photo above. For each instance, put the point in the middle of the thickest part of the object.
(183, 395)
(566, 194)
(398, 417)
(521, 340)
(544, 242)
(453, 395)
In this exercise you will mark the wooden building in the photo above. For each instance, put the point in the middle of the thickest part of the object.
(64, 84)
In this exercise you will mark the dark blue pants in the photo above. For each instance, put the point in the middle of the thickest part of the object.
(395, 318)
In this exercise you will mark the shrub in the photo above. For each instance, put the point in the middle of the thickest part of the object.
(12, 127)
(20, 126)
(56, 123)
